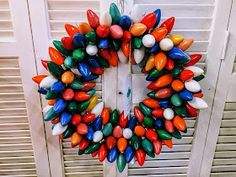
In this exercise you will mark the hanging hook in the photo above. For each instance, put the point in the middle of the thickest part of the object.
(121, 4)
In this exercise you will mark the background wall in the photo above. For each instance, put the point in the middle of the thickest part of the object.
(27, 147)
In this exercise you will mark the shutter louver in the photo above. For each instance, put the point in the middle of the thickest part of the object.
(6, 29)
(224, 162)
(193, 20)
(16, 152)
(73, 12)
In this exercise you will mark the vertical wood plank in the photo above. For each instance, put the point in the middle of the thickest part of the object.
(109, 91)
(209, 84)
(22, 33)
(123, 72)
(41, 38)
(221, 92)
(128, 6)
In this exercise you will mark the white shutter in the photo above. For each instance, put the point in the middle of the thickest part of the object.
(194, 19)
(203, 20)
(53, 15)
(22, 139)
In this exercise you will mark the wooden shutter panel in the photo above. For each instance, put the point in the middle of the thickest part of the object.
(64, 160)
(22, 139)
(74, 12)
(16, 152)
(193, 20)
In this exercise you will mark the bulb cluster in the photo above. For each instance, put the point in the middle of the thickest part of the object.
(79, 58)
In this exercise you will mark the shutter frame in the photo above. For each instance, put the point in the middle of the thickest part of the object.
(60, 153)
(222, 119)
(30, 156)
(41, 42)
(204, 39)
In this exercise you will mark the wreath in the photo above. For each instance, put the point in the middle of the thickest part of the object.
(79, 58)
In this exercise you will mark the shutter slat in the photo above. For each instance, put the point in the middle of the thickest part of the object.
(163, 163)
(19, 165)
(16, 146)
(87, 174)
(12, 103)
(16, 133)
(6, 24)
(70, 4)
(228, 131)
(9, 62)
(8, 71)
(17, 159)
(13, 119)
(80, 162)
(225, 147)
(177, 10)
(225, 154)
(18, 171)
(161, 175)
(224, 161)
(14, 140)
(16, 153)
(228, 123)
(11, 88)
(157, 170)
(226, 139)
(224, 168)
(13, 111)
(5, 14)
(229, 114)
(10, 96)
(174, 2)
(10, 79)
(228, 174)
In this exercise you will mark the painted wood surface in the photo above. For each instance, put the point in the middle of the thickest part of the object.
(221, 130)
(22, 139)
(204, 20)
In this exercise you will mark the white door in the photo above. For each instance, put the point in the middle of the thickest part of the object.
(22, 139)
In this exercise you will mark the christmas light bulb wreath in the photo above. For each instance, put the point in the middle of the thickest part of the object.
(82, 56)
